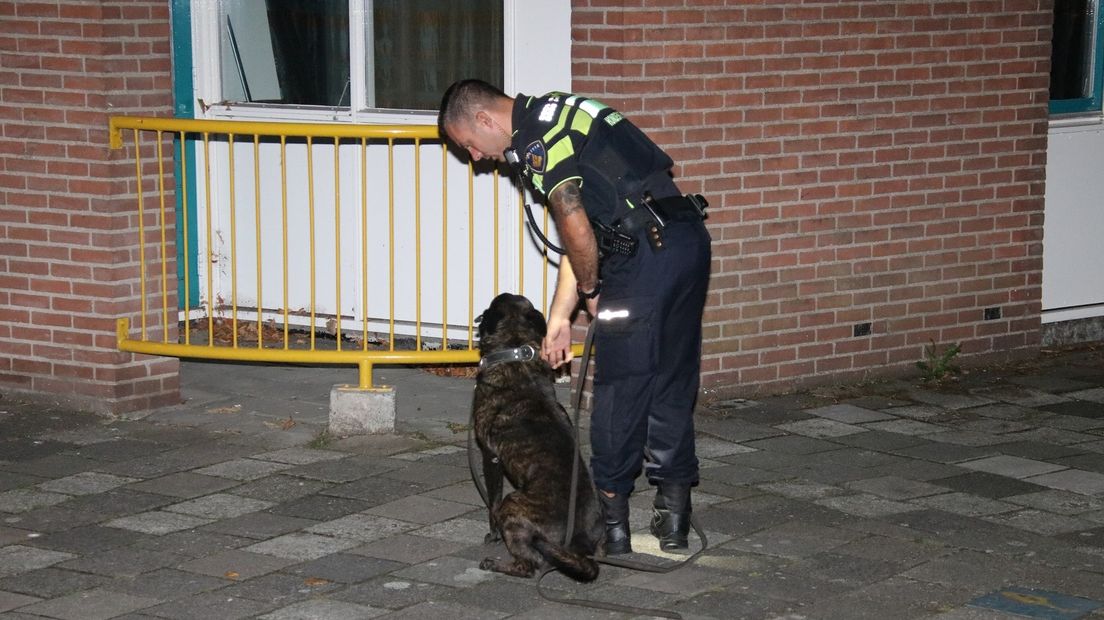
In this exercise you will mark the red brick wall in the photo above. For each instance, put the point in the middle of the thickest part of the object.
(877, 162)
(69, 262)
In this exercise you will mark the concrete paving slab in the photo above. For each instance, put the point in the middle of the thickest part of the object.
(459, 530)
(258, 525)
(453, 611)
(207, 605)
(192, 543)
(1011, 466)
(98, 604)
(344, 568)
(158, 522)
(820, 428)
(849, 414)
(243, 469)
(893, 487)
(299, 456)
(408, 548)
(1076, 480)
(85, 483)
(301, 546)
(123, 562)
(48, 583)
(236, 564)
(280, 489)
(320, 507)
(987, 485)
(11, 600)
(449, 571)
(794, 539)
(219, 506)
(166, 584)
(966, 504)
(324, 608)
(865, 505)
(23, 500)
(1061, 502)
(15, 559)
(391, 592)
(420, 509)
(362, 527)
(1041, 522)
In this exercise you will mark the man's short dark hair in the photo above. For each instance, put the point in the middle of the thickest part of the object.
(463, 99)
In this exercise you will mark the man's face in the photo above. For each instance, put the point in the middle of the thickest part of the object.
(480, 138)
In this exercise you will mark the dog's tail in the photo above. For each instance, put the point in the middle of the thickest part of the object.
(575, 565)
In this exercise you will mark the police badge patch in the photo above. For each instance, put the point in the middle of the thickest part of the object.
(535, 157)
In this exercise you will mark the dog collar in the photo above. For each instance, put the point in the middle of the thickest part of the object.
(524, 353)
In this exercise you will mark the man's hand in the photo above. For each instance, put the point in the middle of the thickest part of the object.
(556, 346)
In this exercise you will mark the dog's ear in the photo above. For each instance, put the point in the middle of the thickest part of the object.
(488, 322)
(536, 319)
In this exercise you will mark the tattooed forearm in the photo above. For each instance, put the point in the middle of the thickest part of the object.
(566, 199)
(576, 233)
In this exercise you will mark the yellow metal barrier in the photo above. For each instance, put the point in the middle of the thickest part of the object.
(163, 330)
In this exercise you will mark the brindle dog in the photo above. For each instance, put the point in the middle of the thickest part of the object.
(527, 436)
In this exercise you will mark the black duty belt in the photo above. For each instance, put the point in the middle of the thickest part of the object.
(651, 217)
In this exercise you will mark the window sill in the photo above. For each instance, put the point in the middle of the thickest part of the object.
(1074, 120)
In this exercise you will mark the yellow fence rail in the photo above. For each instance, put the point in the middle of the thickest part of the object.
(232, 151)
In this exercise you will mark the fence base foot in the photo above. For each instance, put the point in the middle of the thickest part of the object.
(360, 411)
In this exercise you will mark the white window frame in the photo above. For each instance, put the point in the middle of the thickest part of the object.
(207, 62)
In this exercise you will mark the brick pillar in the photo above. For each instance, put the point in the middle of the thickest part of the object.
(69, 258)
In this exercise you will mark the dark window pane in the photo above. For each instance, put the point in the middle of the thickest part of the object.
(422, 46)
(1071, 53)
(310, 41)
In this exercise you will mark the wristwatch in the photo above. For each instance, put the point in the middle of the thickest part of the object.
(589, 294)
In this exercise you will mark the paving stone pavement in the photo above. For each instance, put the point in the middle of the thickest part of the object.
(884, 500)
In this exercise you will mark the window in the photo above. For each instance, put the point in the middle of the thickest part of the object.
(1077, 64)
(356, 54)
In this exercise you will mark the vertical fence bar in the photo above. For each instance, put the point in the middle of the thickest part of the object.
(164, 240)
(494, 243)
(210, 238)
(310, 222)
(233, 244)
(471, 255)
(337, 236)
(259, 236)
(521, 243)
(444, 247)
(391, 242)
(284, 229)
(364, 242)
(184, 230)
(141, 232)
(417, 245)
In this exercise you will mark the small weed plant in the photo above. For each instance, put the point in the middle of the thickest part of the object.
(937, 365)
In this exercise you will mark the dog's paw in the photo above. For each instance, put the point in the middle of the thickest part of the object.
(492, 537)
(488, 564)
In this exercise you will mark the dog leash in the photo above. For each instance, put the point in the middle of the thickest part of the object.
(584, 365)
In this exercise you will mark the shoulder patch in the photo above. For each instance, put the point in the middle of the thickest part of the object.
(535, 156)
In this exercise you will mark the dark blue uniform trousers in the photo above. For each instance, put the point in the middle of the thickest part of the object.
(648, 358)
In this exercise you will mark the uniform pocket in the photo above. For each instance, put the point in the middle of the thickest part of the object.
(626, 341)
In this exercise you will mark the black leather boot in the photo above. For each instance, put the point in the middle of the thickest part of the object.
(616, 511)
(671, 519)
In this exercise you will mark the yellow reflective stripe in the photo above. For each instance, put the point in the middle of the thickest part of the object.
(581, 123)
(558, 152)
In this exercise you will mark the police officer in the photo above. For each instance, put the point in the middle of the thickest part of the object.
(637, 256)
